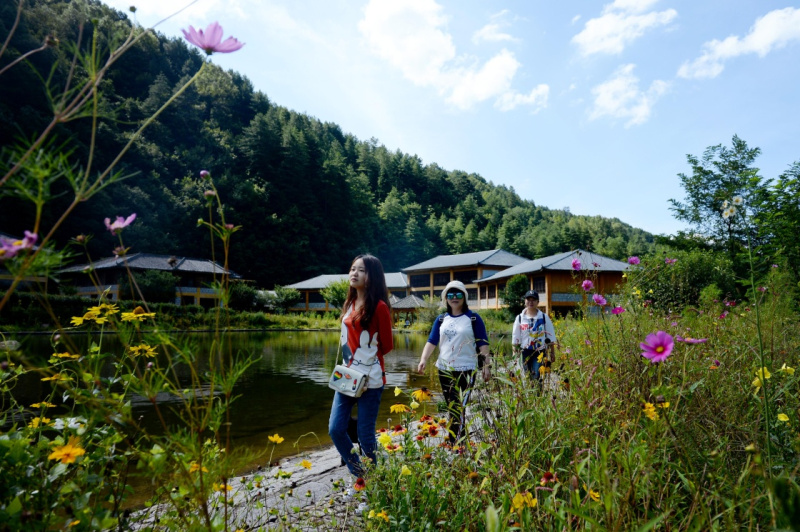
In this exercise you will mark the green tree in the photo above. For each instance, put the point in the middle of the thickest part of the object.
(336, 292)
(242, 296)
(285, 298)
(513, 292)
(154, 286)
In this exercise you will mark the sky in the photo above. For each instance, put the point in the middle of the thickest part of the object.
(590, 106)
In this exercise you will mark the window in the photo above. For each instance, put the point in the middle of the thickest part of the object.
(466, 277)
(538, 284)
(483, 292)
(491, 291)
(472, 294)
(441, 279)
(420, 280)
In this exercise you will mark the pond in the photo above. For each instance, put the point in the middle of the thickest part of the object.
(284, 392)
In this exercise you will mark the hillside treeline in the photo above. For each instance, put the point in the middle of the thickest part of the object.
(307, 195)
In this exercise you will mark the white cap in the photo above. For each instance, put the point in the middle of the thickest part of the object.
(458, 285)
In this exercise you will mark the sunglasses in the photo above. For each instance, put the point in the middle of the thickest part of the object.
(455, 295)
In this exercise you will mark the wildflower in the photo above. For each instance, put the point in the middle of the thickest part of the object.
(599, 300)
(209, 194)
(547, 478)
(306, 464)
(66, 355)
(106, 309)
(650, 411)
(763, 373)
(723, 315)
(43, 404)
(576, 264)
(204, 174)
(75, 523)
(587, 285)
(617, 311)
(633, 260)
(68, 453)
(399, 429)
(39, 421)
(762, 288)
(422, 394)
(786, 369)
(382, 430)
(194, 467)
(433, 431)
(57, 377)
(211, 41)
(399, 408)
(414, 405)
(138, 314)
(142, 350)
(730, 211)
(715, 364)
(397, 391)
(688, 340)
(393, 447)
(275, 439)
(119, 224)
(657, 347)
(77, 321)
(405, 471)
(783, 417)
(670, 262)
(360, 484)
(384, 439)
(774, 265)
(378, 515)
(737, 200)
(595, 496)
(522, 500)
(10, 247)
(222, 487)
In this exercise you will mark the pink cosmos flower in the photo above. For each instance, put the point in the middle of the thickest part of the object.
(576, 264)
(617, 310)
(723, 315)
(598, 299)
(762, 288)
(633, 260)
(210, 40)
(691, 340)
(670, 262)
(657, 347)
(10, 247)
(587, 285)
(119, 224)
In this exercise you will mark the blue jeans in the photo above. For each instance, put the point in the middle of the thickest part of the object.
(368, 405)
(530, 359)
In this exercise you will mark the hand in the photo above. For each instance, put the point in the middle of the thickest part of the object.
(421, 367)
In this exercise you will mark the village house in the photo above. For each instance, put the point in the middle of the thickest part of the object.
(194, 277)
(557, 281)
(429, 278)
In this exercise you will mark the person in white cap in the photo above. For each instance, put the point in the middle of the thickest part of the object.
(534, 335)
(461, 337)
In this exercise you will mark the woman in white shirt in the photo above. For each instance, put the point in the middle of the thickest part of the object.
(461, 337)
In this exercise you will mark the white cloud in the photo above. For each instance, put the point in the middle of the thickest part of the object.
(621, 23)
(512, 99)
(412, 37)
(492, 32)
(773, 31)
(620, 97)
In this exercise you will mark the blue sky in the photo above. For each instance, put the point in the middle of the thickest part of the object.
(587, 105)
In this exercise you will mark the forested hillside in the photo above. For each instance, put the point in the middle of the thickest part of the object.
(308, 195)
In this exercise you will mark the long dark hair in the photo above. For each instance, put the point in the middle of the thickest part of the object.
(376, 290)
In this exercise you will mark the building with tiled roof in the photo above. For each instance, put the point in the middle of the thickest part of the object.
(194, 276)
(556, 280)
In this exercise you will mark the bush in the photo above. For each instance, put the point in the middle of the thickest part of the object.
(513, 292)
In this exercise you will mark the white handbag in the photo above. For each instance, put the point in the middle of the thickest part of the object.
(348, 381)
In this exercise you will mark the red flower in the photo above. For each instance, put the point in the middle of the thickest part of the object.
(360, 484)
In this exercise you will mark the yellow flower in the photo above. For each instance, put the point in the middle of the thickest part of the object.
(763, 373)
(75, 523)
(106, 309)
(57, 377)
(757, 383)
(397, 391)
(399, 408)
(422, 394)
(67, 453)
(306, 464)
(783, 417)
(522, 500)
(142, 350)
(78, 320)
(222, 487)
(594, 495)
(138, 314)
(44, 404)
(194, 467)
(275, 438)
(650, 411)
(665, 404)
(384, 439)
(786, 369)
(65, 355)
(37, 421)
(381, 515)
(414, 405)
(405, 471)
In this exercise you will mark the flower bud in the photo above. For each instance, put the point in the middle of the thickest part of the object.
(205, 174)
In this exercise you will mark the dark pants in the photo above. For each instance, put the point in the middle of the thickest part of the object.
(530, 360)
(455, 388)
